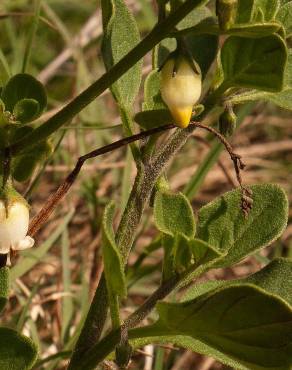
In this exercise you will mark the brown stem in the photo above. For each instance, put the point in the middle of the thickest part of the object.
(246, 193)
(236, 159)
(220, 163)
(62, 190)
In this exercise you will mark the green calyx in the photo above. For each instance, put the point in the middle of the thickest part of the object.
(8, 195)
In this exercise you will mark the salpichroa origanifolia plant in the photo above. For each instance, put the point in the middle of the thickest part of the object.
(246, 323)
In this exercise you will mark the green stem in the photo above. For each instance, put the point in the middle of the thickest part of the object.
(206, 165)
(102, 349)
(115, 311)
(93, 91)
(141, 191)
(93, 325)
(140, 194)
(129, 131)
(31, 36)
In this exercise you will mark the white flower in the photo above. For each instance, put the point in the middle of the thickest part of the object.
(14, 221)
(180, 90)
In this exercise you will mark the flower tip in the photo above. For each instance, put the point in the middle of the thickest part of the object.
(182, 116)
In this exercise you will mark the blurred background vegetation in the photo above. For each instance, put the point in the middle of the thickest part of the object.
(53, 283)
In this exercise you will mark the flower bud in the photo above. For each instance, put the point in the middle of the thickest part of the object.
(181, 86)
(14, 221)
(226, 12)
(227, 122)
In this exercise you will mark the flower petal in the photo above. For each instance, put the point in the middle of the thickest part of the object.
(25, 243)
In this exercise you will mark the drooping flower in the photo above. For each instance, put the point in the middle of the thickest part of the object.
(14, 221)
(181, 87)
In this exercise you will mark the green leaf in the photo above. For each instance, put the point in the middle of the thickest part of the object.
(245, 11)
(152, 96)
(4, 286)
(17, 352)
(282, 99)
(24, 165)
(284, 16)
(22, 87)
(173, 214)
(155, 113)
(203, 252)
(255, 30)
(222, 224)
(141, 338)
(120, 36)
(244, 322)
(177, 254)
(242, 326)
(268, 9)
(153, 118)
(116, 282)
(275, 278)
(26, 110)
(252, 30)
(254, 63)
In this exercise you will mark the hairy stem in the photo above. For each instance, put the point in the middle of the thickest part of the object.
(141, 192)
(102, 349)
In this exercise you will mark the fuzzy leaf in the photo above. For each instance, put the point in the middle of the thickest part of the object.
(26, 110)
(155, 113)
(284, 16)
(4, 286)
(203, 252)
(173, 214)
(152, 96)
(282, 99)
(245, 11)
(120, 36)
(17, 352)
(242, 326)
(116, 281)
(267, 9)
(222, 224)
(275, 278)
(254, 63)
(153, 118)
(255, 30)
(243, 321)
(22, 87)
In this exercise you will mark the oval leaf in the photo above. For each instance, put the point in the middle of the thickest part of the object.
(173, 214)
(120, 36)
(116, 281)
(222, 224)
(23, 86)
(17, 352)
(244, 322)
(26, 110)
(266, 9)
(284, 16)
(274, 278)
(254, 63)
